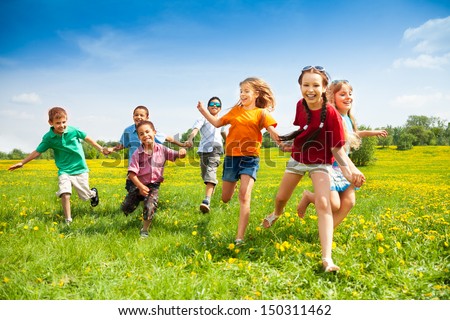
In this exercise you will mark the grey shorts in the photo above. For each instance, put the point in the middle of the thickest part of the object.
(209, 162)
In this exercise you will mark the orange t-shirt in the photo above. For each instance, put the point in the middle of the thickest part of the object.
(244, 136)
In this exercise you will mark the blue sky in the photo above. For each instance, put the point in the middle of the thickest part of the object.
(100, 59)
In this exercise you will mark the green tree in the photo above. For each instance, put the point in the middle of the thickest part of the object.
(16, 154)
(364, 155)
(405, 141)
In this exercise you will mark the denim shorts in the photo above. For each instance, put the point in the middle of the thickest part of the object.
(234, 167)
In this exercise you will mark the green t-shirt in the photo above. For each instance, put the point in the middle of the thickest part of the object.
(69, 154)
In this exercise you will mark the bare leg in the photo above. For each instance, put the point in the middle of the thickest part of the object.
(146, 224)
(245, 194)
(307, 198)
(209, 188)
(321, 183)
(65, 201)
(228, 190)
(287, 187)
(347, 202)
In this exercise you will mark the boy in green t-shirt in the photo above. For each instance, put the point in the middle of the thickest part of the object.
(69, 158)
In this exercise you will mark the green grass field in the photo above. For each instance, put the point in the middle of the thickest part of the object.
(393, 245)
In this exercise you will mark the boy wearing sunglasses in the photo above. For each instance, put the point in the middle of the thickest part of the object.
(210, 149)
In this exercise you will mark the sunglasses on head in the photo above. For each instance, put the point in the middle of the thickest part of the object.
(339, 81)
(318, 68)
(214, 104)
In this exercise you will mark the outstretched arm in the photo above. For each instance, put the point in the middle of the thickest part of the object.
(189, 142)
(30, 157)
(93, 143)
(178, 143)
(275, 137)
(216, 122)
(372, 133)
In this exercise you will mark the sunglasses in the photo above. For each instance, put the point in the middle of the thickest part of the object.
(318, 68)
(214, 104)
(338, 81)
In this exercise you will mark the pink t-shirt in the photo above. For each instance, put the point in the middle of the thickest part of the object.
(149, 168)
(330, 136)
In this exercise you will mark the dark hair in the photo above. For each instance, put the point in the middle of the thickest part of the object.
(214, 98)
(140, 124)
(143, 108)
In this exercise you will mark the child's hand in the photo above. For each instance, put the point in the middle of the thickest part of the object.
(285, 147)
(182, 153)
(358, 179)
(16, 166)
(106, 151)
(382, 133)
(188, 144)
(144, 190)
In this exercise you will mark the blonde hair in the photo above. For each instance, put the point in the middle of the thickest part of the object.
(265, 99)
(353, 140)
(56, 113)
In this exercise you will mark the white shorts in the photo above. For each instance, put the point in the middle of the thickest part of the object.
(293, 166)
(80, 182)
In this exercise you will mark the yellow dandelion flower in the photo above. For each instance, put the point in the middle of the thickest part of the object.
(36, 228)
(258, 229)
(194, 233)
(333, 245)
(258, 294)
(5, 279)
(231, 260)
(209, 256)
(231, 246)
(380, 236)
(25, 227)
(237, 251)
(446, 244)
(287, 214)
(380, 250)
(398, 245)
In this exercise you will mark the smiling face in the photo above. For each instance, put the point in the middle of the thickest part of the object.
(59, 124)
(146, 134)
(139, 115)
(312, 88)
(248, 95)
(343, 99)
(214, 107)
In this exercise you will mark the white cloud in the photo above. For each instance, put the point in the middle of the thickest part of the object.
(27, 98)
(432, 42)
(433, 36)
(418, 101)
(423, 61)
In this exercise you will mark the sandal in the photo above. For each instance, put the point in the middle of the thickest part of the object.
(270, 220)
(330, 266)
(239, 242)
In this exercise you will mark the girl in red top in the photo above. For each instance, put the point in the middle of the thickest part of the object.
(319, 140)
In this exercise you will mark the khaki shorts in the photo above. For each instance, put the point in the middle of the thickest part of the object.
(79, 182)
(296, 167)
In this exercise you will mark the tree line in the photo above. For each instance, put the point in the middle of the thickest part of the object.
(418, 131)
